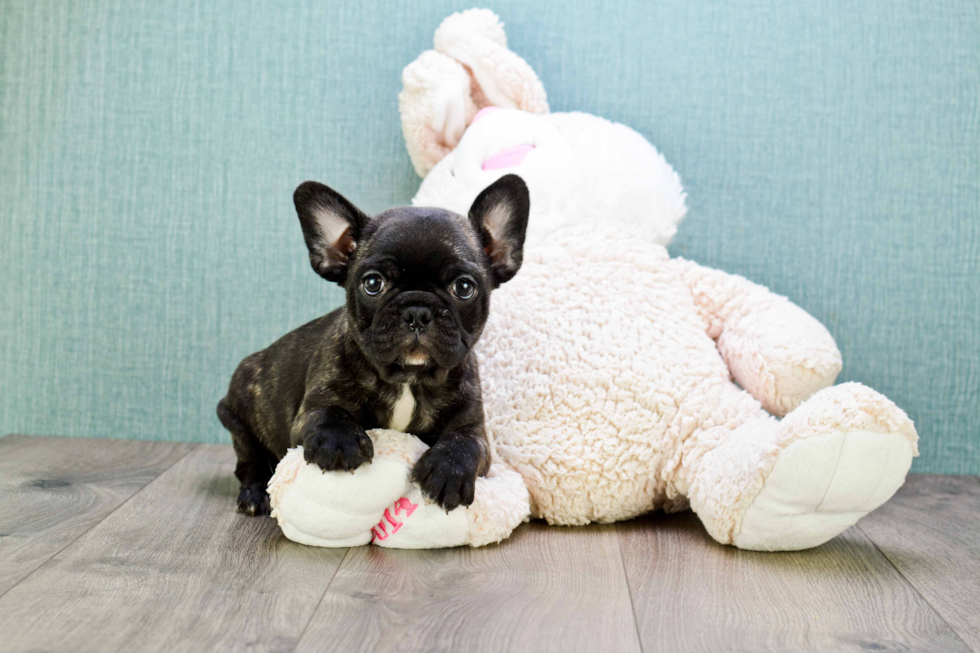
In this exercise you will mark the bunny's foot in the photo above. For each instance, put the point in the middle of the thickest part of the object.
(795, 484)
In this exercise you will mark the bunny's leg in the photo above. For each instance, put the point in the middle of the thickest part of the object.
(794, 484)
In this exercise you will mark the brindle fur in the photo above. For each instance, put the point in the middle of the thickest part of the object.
(324, 384)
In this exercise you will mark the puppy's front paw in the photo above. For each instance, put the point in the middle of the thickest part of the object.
(341, 447)
(446, 477)
(253, 500)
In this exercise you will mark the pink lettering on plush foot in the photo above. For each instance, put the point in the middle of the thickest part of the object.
(406, 506)
(395, 524)
(381, 532)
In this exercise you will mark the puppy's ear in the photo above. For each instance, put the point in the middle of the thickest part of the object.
(499, 215)
(331, 228)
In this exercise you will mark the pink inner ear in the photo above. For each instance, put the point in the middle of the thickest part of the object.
(482, 113)
(508, 158)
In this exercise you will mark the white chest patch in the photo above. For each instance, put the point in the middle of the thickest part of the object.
(402, 411)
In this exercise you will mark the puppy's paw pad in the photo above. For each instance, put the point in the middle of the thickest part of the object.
(254, 501)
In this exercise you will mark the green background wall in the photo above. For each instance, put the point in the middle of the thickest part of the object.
(148, 152)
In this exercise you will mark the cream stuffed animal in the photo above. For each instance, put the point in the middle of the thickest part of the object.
(609, 369)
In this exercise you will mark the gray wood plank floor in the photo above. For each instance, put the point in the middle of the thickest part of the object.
(544, 589)
(52, 490)
(930, 531)
(135, 546)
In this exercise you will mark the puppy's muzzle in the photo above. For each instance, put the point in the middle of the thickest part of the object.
(417, 318)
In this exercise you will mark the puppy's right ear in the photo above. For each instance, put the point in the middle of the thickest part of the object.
(331, 228)
(499, 214)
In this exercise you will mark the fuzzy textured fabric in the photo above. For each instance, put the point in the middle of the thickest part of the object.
(470, 68)
(615, 398)
(609, 370)
(379, 504)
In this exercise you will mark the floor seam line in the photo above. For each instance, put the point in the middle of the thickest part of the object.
(916, 590)
(629, 588)
(193, 448)
(336, 571)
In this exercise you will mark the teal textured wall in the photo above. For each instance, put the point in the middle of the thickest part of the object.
(148, 151)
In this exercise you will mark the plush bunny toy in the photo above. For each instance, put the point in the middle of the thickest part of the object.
(609, 369)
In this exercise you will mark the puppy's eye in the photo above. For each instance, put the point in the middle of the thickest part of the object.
(464, 288)
(373, 284)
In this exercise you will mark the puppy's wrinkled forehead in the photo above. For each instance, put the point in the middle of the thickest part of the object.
(420, 238)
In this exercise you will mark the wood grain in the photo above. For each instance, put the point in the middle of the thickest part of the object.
(544, 589)
(692, 594)
(52, 490)
(175, 568)
(128, 545)
(930, 531)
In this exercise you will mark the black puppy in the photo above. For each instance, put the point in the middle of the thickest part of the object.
(397, 355)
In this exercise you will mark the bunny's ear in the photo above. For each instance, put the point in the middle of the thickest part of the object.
(471, 68)
(476, 39)
(435, 106)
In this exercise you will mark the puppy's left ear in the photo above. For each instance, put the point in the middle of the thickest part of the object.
(331, 226)
(499, 214)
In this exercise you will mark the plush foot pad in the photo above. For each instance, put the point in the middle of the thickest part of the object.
(821, 486)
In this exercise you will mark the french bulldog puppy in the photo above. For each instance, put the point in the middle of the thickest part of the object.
(397, 355)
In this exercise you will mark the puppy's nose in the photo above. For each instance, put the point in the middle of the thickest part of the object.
(417, 318)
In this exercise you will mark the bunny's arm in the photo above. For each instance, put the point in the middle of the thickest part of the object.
(774, 349)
